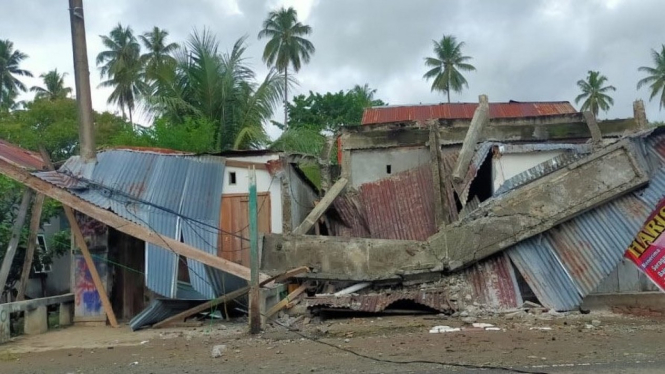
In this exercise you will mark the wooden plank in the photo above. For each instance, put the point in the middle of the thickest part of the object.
(83, 246)
(289, 298)
(130, 228)
(15, 238)
(35, 218)
(440, 211)
(245, 164)
(228, 297)
(321, 207)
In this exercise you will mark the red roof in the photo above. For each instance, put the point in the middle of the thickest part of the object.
(20, 157)
(513, 109)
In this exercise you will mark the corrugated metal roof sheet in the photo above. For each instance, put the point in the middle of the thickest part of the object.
(494, 283)
(378, 302)
(128, 182)
(390, 114)
(159, 310)
(567, 262)
(400, 207)
(18, 156)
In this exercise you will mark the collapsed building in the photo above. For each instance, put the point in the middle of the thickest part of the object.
(517, 200)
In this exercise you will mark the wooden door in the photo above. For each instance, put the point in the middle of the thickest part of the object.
(233, 242)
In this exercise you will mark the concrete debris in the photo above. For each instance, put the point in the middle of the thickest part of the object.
(595, 323)
(531, 305)
(443, 329)
(218, 350)
(483, 325)
(469, 320)
(541, 328)
(474, 327)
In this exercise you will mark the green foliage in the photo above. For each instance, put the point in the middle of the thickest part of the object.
(594, 93)
(10, 86)
(54, 86)
(656, 76)
(446, 65)
(330, 111)
(191, 135)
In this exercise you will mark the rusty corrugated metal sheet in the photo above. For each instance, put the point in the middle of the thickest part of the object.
(20, 157)
(378, 302)
(352, 222)
(494, 283)
(402, 206)
(390, 114)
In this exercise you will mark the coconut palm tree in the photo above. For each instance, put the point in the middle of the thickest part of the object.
(54, 89)
(656, 77)
(121, 65)
(159, 52)
(446, 65)
(286, 45)
(594, 93)
(219, 88)
(10, 86)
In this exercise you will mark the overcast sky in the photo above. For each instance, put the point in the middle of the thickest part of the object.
(523, 50)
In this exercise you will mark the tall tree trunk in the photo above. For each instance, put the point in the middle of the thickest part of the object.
(286, 98)
(448, 96)
(131, 120)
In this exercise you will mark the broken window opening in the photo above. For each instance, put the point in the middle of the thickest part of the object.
(232, 178)
(482, 183)
(389, 169)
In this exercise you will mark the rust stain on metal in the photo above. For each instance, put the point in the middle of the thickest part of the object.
(494, 283)
(451, 111)
(378, 302)
(20, 157)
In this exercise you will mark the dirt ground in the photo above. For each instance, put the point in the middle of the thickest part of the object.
(618, 343)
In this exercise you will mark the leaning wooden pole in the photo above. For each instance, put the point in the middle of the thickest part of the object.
(15, 238)
(35, 218)
(254, 293)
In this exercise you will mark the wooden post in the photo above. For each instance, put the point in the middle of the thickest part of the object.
(35, 218)
(254, 293)
(440, 211)
(83, 246)
(321, 207)
(14, 240)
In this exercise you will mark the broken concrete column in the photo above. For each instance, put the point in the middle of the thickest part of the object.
(480, 119)
(640, 114)
(36, 321)
(66, 314)
(590, 120)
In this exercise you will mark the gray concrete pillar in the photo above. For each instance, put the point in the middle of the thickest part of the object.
(36, 321)
(66, 314)
(4, 324)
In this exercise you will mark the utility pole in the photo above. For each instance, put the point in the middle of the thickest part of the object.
(82, 77)
(254, 292)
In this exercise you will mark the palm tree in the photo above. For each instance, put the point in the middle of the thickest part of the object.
(656, 77)
(219, 88)
(446, 66)
(10, 60)
(594, 94)
(55, 86)
(121, 65)
(286, 45)
(159, 52)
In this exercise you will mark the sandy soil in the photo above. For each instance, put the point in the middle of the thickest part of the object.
(570, 342)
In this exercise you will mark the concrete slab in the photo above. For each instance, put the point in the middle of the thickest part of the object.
(4, 324)
(66, 314)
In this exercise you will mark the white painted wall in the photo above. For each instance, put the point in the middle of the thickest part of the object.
(370, 165)
(508, 165)
(264, 183)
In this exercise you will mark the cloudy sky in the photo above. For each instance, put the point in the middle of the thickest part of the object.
(524, 50)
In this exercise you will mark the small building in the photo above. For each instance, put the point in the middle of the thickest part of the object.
(200, 200)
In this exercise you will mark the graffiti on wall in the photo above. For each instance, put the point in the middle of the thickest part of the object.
(87, 301)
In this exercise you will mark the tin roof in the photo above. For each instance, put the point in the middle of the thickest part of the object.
(494, 283)
(512, 109)
(20, 157)
(379, 302)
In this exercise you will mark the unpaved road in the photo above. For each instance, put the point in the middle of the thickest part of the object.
(619, 345)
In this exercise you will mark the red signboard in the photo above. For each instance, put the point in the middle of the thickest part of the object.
(647, 251)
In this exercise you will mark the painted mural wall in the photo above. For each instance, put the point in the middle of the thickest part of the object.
(87, 303)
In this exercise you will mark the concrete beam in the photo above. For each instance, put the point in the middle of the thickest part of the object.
(20, 306)
(480, 119)
(542, 204)
(453, 132)
(335, 257)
